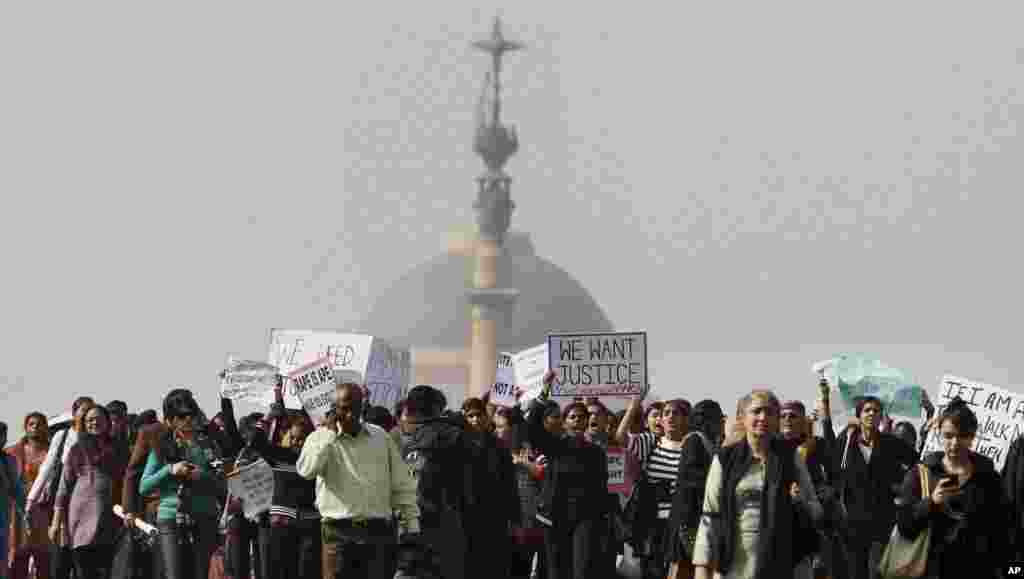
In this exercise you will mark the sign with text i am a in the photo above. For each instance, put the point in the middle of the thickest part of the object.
(1000, 415)
(598, 364)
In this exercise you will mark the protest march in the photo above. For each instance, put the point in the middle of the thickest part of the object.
(354, 471)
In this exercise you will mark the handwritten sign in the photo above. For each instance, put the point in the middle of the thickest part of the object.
(248, 380)
(528, 369)
(387, 369)
(315, 387)
(254, 484)
(503, 392)
(606, 364)
(1000, 416)
(618, 482)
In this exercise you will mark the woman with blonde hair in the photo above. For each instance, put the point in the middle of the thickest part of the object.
(759, 501)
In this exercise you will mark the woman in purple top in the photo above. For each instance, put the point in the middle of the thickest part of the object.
(85, 499)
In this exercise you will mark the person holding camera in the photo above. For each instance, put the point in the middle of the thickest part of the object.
(179, 468)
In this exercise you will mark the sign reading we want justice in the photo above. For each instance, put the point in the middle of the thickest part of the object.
(605, 364)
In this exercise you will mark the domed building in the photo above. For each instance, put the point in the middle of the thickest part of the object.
(489, 292)
(427, 310)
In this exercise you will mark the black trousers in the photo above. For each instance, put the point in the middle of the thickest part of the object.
(240, 543)
(573, 549)
(92, 561)
(184, 554)
(292, 551)
(62, 563)
(358, 551)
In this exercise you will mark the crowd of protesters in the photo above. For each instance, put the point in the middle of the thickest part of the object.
(427, 491)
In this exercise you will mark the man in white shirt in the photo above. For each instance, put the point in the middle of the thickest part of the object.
(360, 481)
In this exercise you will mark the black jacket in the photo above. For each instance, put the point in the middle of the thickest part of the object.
(688, 501)
(785, 528)
(576, 478)
(869, 490)
(975, 545)
(435, 452)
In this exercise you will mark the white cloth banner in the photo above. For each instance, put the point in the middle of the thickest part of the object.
(503, 392)
(254, 484)
(386, 369)
(248, 380)
(528, 369)
(599, 364)
(1000, 415)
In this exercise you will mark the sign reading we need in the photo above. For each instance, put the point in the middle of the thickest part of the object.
(598, 364)
(1000, 415)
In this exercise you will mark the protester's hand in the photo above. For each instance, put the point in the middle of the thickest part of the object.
(946, 489)
(181, 469)
(926, 403)
(549, 380)
(129, 520)
(794, 490)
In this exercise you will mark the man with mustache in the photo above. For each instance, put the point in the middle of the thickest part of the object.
(28, 456)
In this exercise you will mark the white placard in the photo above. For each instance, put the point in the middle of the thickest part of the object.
(254, 484)
(315, 387)
(528, 368)
(598, 364)
(1000, 416)
(248, 380)
(387, 370)
(503, 392)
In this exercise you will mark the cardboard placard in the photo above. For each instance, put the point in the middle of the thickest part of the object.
(618, 480)
(528, 369)
(1000, 415)
(315, 387)
(254, 484)
(598, 364)
(503, 392)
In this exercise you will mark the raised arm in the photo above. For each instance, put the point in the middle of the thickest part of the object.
(539, 437)
(313, 458)
(622, 432)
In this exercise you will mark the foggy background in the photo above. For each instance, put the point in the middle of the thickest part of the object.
(757, 187)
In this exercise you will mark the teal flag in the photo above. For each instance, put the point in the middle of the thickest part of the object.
(865, 375)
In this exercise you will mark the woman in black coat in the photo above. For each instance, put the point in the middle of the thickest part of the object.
(964, 504)
(574, 498)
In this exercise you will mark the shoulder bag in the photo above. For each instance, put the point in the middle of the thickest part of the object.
(908, 559)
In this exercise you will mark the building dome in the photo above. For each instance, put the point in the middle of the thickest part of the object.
(428, 306)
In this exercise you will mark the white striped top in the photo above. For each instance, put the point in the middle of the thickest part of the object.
(660, 464)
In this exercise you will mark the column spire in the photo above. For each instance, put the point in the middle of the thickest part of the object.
(495, 143)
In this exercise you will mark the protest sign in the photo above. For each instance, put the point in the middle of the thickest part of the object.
(599, 364)
(315, 387)
(528, 369)
(248, 380)
(1000, 415)
(386, 369)
(254, 484)
(503, 392)
(618, 482)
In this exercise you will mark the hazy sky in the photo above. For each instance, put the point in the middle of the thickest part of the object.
(757, 186)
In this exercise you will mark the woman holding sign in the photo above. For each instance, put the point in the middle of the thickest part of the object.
(963, 506)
